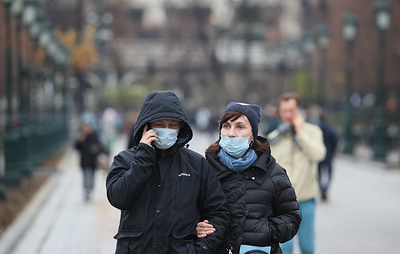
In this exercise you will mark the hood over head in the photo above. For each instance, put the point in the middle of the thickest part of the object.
(162, 105)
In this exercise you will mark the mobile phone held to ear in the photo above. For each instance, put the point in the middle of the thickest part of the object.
(150, 128)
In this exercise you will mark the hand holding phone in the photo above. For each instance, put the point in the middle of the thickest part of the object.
(148, 136)
(298, 121)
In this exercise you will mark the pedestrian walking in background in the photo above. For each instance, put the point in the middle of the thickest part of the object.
(316, 116)
(298, 147)
(162, 188)
(272, 119)
(262, 201)
(89, 147)
(111, 123)
(325, 167)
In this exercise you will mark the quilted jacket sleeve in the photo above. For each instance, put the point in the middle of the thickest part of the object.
(287, 215)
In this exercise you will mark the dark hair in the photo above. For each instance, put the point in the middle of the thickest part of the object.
(258, 146)
(290, 95)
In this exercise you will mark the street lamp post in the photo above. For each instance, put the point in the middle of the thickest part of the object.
(323, 44)
(8, 137)
(349, 34)
(382, 15)
(29, 17)
(17, 10)
(22, 10)
(308, 46)
(35, 30)
(12, 175)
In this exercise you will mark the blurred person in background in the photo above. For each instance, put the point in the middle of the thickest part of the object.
(272, 119)
(162, 188)
(316, 116)
(111, 122)
(298, 146)
(203, 116)
(89, 147)
(262, 202)
(325, 167)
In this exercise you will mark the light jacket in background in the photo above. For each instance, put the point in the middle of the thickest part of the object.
(300, 153)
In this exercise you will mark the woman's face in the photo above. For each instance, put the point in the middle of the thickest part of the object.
(240, 127)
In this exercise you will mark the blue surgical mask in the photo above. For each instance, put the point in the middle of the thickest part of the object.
(235, 146)
(166, 137)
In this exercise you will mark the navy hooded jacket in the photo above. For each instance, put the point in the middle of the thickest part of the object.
(163, 194)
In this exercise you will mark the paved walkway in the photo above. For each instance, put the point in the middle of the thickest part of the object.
(361, 216)
(58, 220)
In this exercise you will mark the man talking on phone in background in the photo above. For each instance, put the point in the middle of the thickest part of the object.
(162, 188)
(298, 147)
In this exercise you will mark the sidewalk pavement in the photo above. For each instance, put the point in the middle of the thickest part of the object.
(392, 160)
(58, 221)
(361, 215)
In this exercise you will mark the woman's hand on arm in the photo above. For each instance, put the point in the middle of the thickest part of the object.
(204, 228)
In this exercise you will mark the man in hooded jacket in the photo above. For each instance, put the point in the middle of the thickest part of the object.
(162, 188)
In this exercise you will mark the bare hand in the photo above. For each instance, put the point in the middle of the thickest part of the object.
(148, 136)
(204, 228)
(298, 122)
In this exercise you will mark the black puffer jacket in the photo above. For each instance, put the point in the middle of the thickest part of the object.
(162, 195)
(263, 206)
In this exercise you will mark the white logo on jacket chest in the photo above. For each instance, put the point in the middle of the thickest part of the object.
(183, 174)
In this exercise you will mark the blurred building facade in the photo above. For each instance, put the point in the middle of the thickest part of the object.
(261, 38)
(372, 91)
(212, 52)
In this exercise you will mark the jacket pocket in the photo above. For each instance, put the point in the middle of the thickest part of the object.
(182, 243)
(257, 232)
(129, 242)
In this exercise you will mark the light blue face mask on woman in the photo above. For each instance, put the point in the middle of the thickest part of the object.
(166, 137)
(235, 146)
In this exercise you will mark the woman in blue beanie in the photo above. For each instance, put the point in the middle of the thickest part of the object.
(263, 205)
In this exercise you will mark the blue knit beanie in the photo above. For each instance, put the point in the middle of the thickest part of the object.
(251, 111)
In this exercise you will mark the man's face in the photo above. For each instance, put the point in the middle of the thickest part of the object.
(170, 124)
(288, 110)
